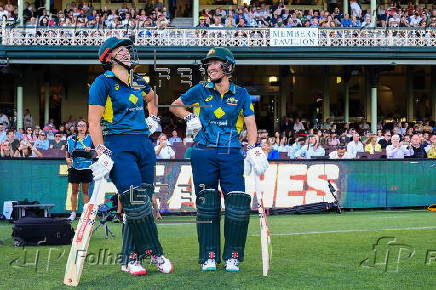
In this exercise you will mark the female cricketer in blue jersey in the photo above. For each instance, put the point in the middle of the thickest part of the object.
(79, 159)
(221, 109)
(121, 136)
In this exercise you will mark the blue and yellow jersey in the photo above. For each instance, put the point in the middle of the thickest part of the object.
(222, 116)
(77, 144)
(124, 106)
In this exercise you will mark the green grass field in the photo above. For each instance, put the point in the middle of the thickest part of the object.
(309, 251)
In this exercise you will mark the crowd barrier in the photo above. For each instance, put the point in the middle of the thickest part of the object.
(287, 183)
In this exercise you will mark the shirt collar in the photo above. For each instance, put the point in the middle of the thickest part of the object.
(109, 74)
(211, 85)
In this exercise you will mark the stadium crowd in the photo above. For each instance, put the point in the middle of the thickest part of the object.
(84, 15)
(281, 16)
(276, 15)
(296, 139)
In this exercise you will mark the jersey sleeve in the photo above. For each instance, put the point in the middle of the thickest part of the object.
(98, 92)
(247, 106)
(192, 95)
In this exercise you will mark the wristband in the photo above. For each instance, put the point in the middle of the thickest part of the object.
(101, 149)
(189, 117)
(155, 118)
(252, 146)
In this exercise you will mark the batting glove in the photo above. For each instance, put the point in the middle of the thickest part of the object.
(103, 166)
(193, 124)
(257, 159)
(152, 123)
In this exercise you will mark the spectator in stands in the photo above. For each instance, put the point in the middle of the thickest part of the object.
(58, 143)
(386, 140)
(188, 139)
(174, 137)
(217, 22)
(4, 120)
(406, 140)
(26, 150)
(19, 134)
(202, 22)
(333, 140)
(6, 150)
(267, 148)
(13, 142)
(163, 150)
(346, 21)
(426, 139)
(29, 136)
(355, 9)
(355, 146)
(431, 149)
(410, 131)
(372, 146)
(340, 153)
(299, 143)
(403, 128)
(418, 148)
(42, 142)
(312, 149)
(396, 150)
(298, 125)
(363, 125)
(283, 146)
(286, 125)
(2, 133)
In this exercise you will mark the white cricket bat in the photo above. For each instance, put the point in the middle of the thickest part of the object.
(79, 246)
(265, 237)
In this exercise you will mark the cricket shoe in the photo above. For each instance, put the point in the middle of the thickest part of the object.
(134, 268)
(232, 265)
(162, 264)
(209, 265)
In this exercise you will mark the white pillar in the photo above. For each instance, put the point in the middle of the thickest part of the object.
(46, 103)
(47, 6)
(326, 97)
(284, 89)
(195, 12)
(345, 7)
(20, 106)
(20, 11)
(367, 98)
(373, 8)
(374, 110)
(433, 92)
(410, 96)
(347, 102)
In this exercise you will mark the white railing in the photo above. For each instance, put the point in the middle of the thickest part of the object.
(249, 37)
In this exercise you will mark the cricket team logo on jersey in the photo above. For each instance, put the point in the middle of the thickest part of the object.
(232, 101)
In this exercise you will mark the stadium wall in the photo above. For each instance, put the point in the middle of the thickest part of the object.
(360, 184)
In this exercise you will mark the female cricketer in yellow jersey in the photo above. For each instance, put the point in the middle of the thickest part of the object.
(121, 136)
(221, 109)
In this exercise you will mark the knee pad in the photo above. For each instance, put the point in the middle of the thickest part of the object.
(136, 202)
(237, 206)
(236, 224)
(208, 204)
